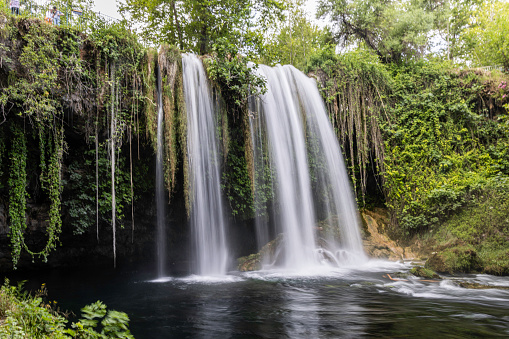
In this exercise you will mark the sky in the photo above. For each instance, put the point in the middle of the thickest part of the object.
(108, 7)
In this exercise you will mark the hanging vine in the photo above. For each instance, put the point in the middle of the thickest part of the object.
(51, 183)
(355, 86)
(168, 61)
(17, 191)
(113, 135)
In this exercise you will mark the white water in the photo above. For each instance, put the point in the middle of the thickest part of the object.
(208, 225)
(294, 121)
(285, 134)
(262, 177)
(160, 205)
(332, 177)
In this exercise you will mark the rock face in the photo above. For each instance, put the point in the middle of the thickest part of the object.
(377, 244)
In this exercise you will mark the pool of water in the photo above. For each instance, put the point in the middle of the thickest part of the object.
(322, 303)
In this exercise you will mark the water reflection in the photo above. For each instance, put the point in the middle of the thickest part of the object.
(346, 303)
(302, 314)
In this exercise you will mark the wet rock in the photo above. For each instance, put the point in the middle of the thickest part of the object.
(477, 286)
(249, 263)
(377, 244)
(423, 272)
(268, 253)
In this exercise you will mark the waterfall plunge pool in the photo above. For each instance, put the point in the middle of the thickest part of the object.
(326, 303)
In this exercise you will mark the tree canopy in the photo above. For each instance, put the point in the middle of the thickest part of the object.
(194, 25)
(397, 30)
(488, 35)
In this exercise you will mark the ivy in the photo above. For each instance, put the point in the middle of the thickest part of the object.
(51, 182)
(60, 73)
(17, 191)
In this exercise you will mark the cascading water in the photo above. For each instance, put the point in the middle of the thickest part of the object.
(339, 205)
(160, 205)
(207, 220)
(262, 176)
(287, 149)
(295, 123)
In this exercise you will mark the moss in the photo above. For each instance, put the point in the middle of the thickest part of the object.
(250, 263)
(268, 253)
(423, 272)
(477, 286)
(150, 112)
(248, 152)
(461, 258)
(168, 60)
(477, 237)
(181, 120)
(494, 260)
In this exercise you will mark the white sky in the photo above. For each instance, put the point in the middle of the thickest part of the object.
(108, 7)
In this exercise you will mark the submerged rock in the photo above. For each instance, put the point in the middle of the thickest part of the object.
(477, 286)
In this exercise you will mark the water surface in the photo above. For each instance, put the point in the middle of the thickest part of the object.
(327, 303)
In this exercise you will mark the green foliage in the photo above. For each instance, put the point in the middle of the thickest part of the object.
(436, 144)
(487, 39)
(61, 70)
(395, 30)
(294, 38)
(80, 197)
(482, 226)
(355, 86)
(235, 180)
(27, 316)
(230, 71)
(17, 191)
(195, 25)
(35, 86)
(51, 182)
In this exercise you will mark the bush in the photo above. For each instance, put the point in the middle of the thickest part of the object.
(28, 316)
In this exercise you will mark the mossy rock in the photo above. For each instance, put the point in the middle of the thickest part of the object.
(423, 272)
(253, 262)
(495, 261)
(462, 259)
(249, 263)
(399, 275)
(477, 286)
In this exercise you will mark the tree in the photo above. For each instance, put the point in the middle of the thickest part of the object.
(395, 30)
(294, 38)
(488, 37)
(194, 25)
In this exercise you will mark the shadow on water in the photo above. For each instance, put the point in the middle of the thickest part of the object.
(343, 303)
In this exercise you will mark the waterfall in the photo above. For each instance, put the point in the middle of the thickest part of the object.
(285, 133)
(208, 225)
(332, 177)
(160, 205)
(262, 177)
(310, 178)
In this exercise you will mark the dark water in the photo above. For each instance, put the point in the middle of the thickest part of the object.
(340, 303)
